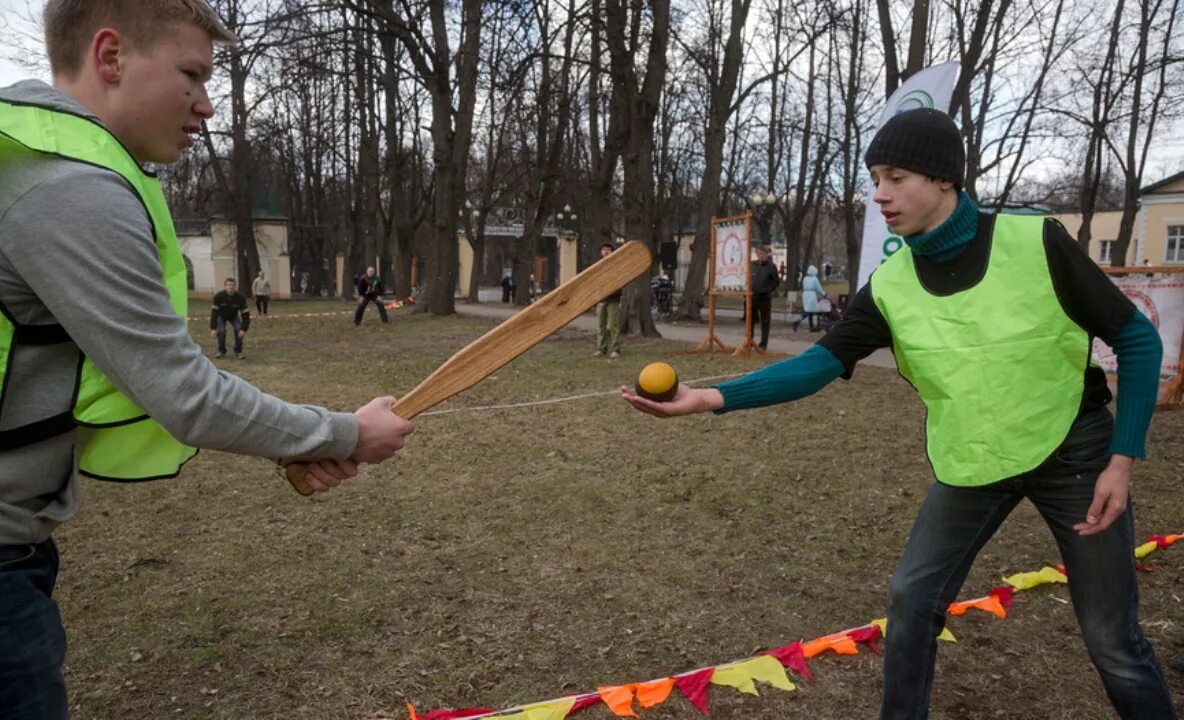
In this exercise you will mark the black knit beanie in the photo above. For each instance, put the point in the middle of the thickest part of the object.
(925, 141)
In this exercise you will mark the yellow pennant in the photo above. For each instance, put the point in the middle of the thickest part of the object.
(550, 710)
(882, 623)
(741, 675)
(1146, 549)
(1029, 580)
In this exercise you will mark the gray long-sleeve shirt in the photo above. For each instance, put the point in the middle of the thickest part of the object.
(77, 249)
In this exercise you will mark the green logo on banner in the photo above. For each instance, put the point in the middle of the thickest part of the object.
(913, 101)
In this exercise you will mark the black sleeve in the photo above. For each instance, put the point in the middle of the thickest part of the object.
(241, 301)
(862, 331)
(214, 313)
(1088, 297)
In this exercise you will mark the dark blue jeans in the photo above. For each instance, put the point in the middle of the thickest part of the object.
(362, 309)
(234, 325)
(953, 525)
(32, 639)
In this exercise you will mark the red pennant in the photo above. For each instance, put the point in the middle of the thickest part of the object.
(791, 656)
(1061, 569)
(694, 686)
(1004, 594)
(1161, 541)
(456, 714)
(870, 635)
(583, 703)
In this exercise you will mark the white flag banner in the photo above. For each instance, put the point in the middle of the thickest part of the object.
(731, 256)
(1162, 301)
(931, 88)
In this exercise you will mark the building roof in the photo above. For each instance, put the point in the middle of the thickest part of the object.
(1166, 181)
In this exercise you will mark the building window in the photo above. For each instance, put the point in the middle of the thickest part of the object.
(1107, 246)
(1175, 248)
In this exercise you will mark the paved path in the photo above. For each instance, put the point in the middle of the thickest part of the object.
(782, 338)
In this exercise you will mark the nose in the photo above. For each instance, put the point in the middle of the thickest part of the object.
(881, 195)
(202, 106)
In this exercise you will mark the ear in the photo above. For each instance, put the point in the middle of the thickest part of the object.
(107, 53)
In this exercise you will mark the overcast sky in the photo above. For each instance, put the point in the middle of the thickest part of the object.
(23, 40)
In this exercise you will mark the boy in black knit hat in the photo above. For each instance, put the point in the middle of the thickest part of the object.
(1014, 407)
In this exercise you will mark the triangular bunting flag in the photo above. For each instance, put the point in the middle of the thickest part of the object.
(619, 699)
(457, 714)
(840, 642)
(654, 692)
(989, 604)
(583, 702)
(882, 623)
(693, 687)
(1146, 549)
(742, 674)
(868, 635)
(1004, 593)
(791, 657)
(550, 710)
(1028, 580)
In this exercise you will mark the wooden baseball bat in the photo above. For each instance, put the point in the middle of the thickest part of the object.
(482, 357)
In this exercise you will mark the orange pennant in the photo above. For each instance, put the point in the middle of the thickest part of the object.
(654, 692)
(619, 699)
(411, 710)
(841, 643)
(989, 604)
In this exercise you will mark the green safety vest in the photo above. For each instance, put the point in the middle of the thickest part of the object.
(1001, 385)
(122, 443)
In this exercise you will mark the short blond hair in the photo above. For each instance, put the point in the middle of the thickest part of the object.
(70, 25)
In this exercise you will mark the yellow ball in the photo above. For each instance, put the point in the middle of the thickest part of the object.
(657, 382)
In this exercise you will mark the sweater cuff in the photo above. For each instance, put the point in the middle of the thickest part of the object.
(344, 427)
(1130, 425)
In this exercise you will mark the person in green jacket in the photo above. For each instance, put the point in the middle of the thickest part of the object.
(1015, 409)
(114, 387)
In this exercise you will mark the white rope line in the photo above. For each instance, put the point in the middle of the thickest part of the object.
(553, 401)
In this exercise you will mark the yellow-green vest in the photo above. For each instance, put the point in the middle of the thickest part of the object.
(121, 442)
(999, 366)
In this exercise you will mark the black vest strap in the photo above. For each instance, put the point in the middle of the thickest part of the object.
(39, 335)
(37, 431)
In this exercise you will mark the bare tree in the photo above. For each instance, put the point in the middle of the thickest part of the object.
(718, 58)
(1141, 123)
(630, 28)
(918, 37)
(451, 126)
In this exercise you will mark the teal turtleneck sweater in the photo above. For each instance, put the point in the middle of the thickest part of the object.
(1138, 349)
(944, 242)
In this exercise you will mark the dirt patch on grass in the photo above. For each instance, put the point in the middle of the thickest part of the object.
(512, 556)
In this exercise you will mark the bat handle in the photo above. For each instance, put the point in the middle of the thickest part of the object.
(297, 472)
(297, 475)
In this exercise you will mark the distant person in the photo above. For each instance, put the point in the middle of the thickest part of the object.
(608, 318)
(369, 291)
(812, 292)
(508, 289)
(765, 280)
(229, 311)
(261, 289)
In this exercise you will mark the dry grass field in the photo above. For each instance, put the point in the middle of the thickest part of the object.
(511, 556)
